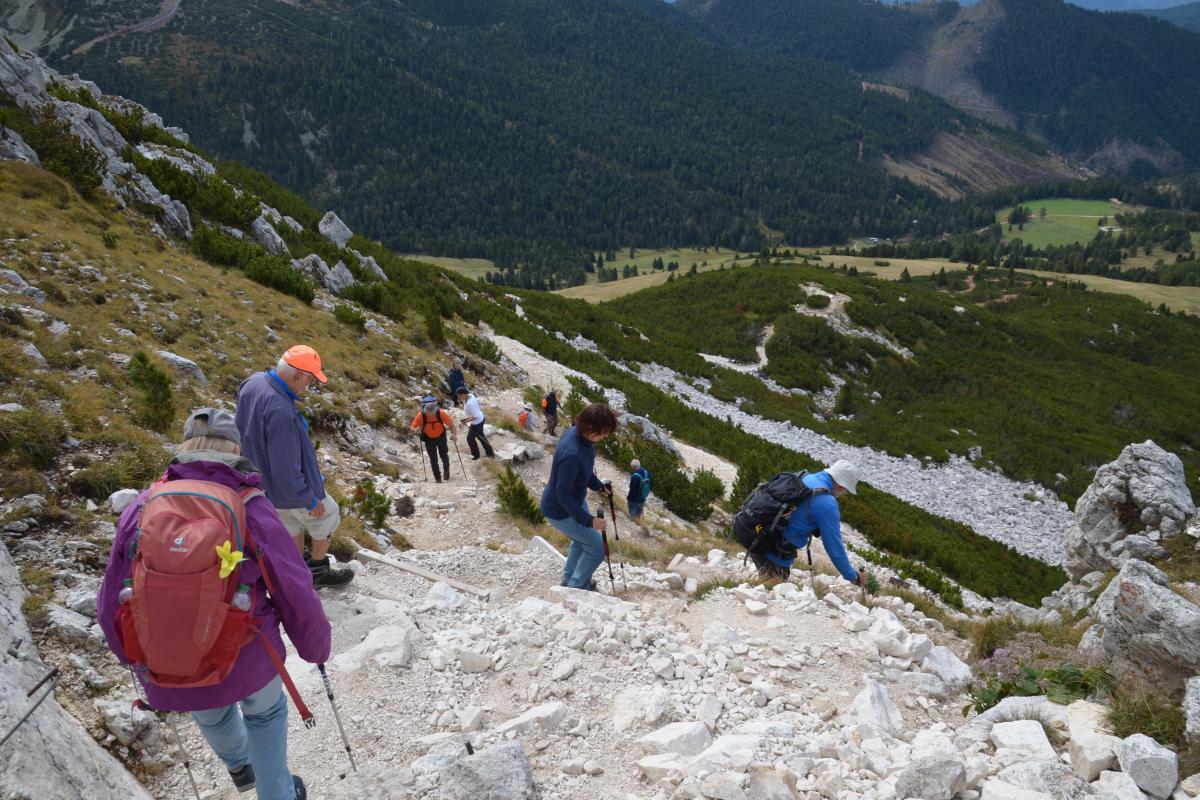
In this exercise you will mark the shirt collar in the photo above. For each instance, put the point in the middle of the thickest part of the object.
(287, 392)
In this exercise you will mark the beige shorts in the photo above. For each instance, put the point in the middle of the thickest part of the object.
(298, 520)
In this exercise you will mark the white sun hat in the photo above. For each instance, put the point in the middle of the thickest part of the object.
(844, 474)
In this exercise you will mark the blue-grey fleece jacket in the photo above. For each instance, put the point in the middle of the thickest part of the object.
(821, 513)
(571, 475)
(275, 439)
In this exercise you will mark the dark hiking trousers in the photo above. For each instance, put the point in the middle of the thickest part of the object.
(434, 447)
(475, 434)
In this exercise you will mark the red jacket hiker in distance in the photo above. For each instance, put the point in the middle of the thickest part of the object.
(295, 602)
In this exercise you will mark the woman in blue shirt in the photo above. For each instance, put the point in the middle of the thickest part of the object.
(564, 498)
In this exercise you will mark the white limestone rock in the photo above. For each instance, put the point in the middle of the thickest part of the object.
(184, 366)
(1092, 753)
(1154, 768)
(333, 229)
(14, 148)
(264, 234)
(546, 718)
(938, 777)
(684, 738)
(1146, 483)
(501, 772)
(1025, 737)
(385, 646)
(1051, 777)
(951, 669)
(996, 789)
(1191, 708)
(874, 706)
(1112, 785)
(120, 499)
(733, 752)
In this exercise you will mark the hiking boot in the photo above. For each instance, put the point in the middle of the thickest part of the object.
(324, 575)
(301, 790)
(437, 480)
(243, 778)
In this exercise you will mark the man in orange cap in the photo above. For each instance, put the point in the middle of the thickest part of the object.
(275, 437)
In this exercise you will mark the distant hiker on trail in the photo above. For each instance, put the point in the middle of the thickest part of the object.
(564, 498)
(525, 418)
(639, 490)
(456, 379)
(434, 423)
(275, 437)
(817, 515)
(164, 578)
(474, 424)
(550, 409)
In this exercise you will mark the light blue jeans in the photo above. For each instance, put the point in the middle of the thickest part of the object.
(257, 736)
(585, 554)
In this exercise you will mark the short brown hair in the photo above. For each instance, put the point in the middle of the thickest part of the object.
(596, 419)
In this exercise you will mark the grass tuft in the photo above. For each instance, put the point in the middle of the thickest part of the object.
(1152, 714)
(707, 587)
(992, 634)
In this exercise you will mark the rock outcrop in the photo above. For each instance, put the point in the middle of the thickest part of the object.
(335, 280)
(13, 148)
(265, 235)
(1132, 505)
(650, 432)
(1148, 631)
(333, 229)
(51, 755)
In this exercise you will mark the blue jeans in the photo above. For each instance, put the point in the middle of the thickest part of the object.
(257, 736)
(585, 554)
(636, 507)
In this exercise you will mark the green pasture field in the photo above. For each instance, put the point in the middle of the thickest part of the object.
(1067, 220)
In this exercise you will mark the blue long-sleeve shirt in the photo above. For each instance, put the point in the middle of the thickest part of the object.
(275, 438)
(821, 514)
(571, 475)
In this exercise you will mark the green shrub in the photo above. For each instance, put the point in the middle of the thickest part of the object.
(689, 498)
(155, 402)
(817, 301)
(33, 437)
(109, 239)
(372, 504)
(101, 479)
(350, 317)
(515, 499)
(484, 348)
(931, 579)
(205, 195)
(434, 328)
(59, 150)
(275, 272)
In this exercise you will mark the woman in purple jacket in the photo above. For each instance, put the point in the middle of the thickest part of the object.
(252, 743)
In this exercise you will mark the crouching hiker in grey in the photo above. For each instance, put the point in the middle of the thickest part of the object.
(781, 517)
(563, 500)
(275, 437)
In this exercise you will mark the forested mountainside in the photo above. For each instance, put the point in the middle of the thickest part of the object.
(1118, 90)
(532, 132)
(1185, 16)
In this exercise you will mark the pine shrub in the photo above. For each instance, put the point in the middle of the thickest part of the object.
(350, 317)
(515, 499)
(155, 402)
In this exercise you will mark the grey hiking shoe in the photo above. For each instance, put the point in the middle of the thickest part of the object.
(243, 778)
(324, 575)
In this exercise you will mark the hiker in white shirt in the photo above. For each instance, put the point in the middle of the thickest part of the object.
(474, 424)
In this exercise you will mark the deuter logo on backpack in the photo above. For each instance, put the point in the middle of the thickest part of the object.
(179, 548)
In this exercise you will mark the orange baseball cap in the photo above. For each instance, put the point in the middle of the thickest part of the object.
(304, 358)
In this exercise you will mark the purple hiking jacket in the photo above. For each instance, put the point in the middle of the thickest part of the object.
(295, 602)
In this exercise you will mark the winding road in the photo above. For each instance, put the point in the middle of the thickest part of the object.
(165, 14)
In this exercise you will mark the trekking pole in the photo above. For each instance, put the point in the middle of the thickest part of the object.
(337, 717)
(612, 581)
(52, 677)
(612, 509)
(421, 458)
(144, 705)
(812, 576)
(459, 454)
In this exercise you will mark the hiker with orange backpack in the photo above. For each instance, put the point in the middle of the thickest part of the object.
(433, 423)
(200, 576)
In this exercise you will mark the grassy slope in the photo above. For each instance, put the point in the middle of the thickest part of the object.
(221, 323)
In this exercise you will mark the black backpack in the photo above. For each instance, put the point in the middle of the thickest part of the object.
(760, 522)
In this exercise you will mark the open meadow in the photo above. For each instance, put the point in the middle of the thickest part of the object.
(1067, 220)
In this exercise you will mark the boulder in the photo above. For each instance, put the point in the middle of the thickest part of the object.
(1147, 630)
(650, 432)
(501, 772)
(684, 738)
(335, 280)
(14, 148)
(938, 777)
(333, 229)
(1024, 738)
(264, 234)
(1092, 753)
(1143, 493)
(767, 783)
(723, 786)
(386, 646)
(734, 752)
(370, 265)
(1049, 777)
(120, 499)
(69, 626)
(1116, 786)
(184, 366)
(1154, 768)
(979, 729)
(873, 706)
(84, 770)
(340, 278)
(949, 668)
